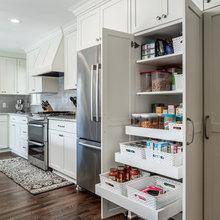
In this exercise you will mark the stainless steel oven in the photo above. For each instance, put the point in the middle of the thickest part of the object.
(38, 143)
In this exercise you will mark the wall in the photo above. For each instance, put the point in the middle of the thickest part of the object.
(59, 101)
(10, 101)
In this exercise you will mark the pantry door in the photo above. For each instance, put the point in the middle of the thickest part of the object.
(193, 113)
(211, 113)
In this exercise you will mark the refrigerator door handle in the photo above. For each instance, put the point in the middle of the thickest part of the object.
(98, 67)
(90, 146)
(93, 67)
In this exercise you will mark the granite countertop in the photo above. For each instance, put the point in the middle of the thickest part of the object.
(63, 118)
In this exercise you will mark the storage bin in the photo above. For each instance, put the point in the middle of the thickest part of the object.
(178, 44)
(146, 82)
(174, 192)
(148, 50)
(149, 120)
(136, 120)
(134, 148)
(161, 80)
(165, 159)
(120, 188)
(178, 81)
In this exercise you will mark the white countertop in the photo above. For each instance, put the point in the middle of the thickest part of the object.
(63, 118)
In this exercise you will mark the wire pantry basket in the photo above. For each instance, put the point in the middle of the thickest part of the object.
(134, 148)
(155, 202)
(166, 159)
(120, 188)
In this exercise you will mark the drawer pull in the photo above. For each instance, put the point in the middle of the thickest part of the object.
(60, 135)
(61, 126)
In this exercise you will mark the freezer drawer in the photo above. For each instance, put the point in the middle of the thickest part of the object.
(88, 164)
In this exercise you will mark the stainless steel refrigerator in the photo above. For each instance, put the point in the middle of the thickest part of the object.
(89, 117)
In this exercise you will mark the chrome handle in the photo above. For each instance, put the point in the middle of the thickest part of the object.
(90, 146)
(205, 126)
(164, 16)
(36, 143)
(61, 126)
(193, 131)
(98, 67)
(158, 18)
(35, 125)
(93, 67)
(60, 135)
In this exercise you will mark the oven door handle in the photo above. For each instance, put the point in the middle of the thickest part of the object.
(36, 143)
(36, 125)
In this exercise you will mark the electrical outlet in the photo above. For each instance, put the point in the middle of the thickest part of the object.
(4, 105)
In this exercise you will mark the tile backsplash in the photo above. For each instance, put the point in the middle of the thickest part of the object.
(59, 101)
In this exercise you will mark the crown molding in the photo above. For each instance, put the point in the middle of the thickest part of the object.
(69, 27)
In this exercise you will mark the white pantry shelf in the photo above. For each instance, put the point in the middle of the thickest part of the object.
(165, 60)
(137, 208)
(171, 135)
(177, 92)
(169, 171)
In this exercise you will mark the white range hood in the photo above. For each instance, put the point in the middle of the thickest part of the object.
(50, 59)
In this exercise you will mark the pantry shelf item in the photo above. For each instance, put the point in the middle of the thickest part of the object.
(149, 120)
(165, 60)
(170, 192)
(117, 187)
(179, 92)
(146, 83)
(138, 208)
(178, 82)
(150, 166)
(134, 148)
(148, 50)
(169, 118)
(178, 44)
(136, 119)
(161, 80)
(171, 135)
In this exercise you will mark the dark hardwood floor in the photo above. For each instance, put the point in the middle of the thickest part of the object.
(61, 204)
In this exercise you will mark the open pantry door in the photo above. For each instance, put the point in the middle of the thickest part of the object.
(116, 100)
(193, 114)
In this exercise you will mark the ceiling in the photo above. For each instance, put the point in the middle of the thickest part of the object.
(38, 18)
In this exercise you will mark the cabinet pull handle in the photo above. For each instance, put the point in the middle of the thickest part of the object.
(97, 39)
(60, 135)
(205, 127)
(164, 16)
(158, 18)
(193, 131)
(61, 126)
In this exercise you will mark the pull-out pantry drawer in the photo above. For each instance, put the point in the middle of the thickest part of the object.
(64, 126)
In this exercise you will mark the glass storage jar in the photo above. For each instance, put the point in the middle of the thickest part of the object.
(160, 121)
(136, 120)
(149, 120)
(146, 82)
(161, 80)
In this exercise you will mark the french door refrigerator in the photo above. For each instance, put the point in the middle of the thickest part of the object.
(88, 117)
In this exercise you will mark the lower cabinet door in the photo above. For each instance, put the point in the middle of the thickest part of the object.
(12, 136)
(56, 144)
(3, 135)
(69, 155)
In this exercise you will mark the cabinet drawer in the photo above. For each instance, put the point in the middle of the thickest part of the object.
(23, 120)
(65, 126)
(3, 118)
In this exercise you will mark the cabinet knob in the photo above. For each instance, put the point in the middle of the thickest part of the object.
(97, 39)
(158, 18)
(164, 16)
(208, 1)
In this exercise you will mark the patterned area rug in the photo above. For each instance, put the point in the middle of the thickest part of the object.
(30, 177)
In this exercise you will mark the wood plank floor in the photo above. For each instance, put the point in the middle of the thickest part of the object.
(61, 204)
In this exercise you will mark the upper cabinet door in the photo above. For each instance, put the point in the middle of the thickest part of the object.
(146, 14)
(8, 74)
(115, 15)
(40, 59)
(211, 3)
(88, 26)
(70, 57)
(172, 10)
(193, 117)
(21, 82)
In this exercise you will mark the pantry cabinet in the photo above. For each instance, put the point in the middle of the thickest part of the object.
(3, 131)
(62, 147)
(211, 3)
(148, 14)
(123, 57)
(211, 113)
(70, 59)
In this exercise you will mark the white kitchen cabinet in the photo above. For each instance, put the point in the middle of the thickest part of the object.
(211, 3)
(18, 135)
(115, 15)
(21, 77)
(62, 147)
(3, 131)
(70, 60)
(148, 14)
(88, 29)
(211, 113)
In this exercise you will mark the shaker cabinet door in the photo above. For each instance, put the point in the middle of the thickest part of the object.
(21, 77)
(3, 135)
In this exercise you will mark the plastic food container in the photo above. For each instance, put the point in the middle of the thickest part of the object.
(167, 119)
(136, 120)
(161, 80)
(149, 120)
(146, 82)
